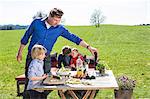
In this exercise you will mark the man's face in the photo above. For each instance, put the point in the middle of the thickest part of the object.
(54, 20)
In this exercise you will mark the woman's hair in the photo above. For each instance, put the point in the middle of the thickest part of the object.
(75, 49)
(37, 50)
(66, 50)
(56, 12)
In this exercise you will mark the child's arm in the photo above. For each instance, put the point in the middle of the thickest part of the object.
(39, 78)
(73, 66)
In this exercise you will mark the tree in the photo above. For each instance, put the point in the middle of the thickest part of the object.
(97, 18)
(63, 20)
(39, 15)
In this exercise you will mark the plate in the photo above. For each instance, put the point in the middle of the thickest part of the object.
(73, 81)
(63, 71)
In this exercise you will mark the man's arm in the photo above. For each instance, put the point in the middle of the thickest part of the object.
(90, 48)
(24, 41)
(19, 55)
(78, 40)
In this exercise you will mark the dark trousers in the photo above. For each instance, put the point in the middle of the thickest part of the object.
(47, 68)
(37, 95)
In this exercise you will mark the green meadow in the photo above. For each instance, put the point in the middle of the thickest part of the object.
(126, 49)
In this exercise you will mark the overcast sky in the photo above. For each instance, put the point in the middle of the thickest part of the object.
(77, 12)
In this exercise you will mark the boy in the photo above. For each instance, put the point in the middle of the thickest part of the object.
(65, 57)
(36, 72)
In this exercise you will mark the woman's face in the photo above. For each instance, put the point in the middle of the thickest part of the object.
(74, 53)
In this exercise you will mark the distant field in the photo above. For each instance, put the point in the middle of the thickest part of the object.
(126, 49)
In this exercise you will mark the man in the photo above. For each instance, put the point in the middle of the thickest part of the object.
(45, 32)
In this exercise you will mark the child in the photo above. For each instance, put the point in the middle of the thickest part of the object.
(36, 72)
(65, 57)
(75, 55)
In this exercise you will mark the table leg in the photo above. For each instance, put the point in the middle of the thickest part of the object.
(87, 94)
(73, 94)
(61, 94)
(92, 94)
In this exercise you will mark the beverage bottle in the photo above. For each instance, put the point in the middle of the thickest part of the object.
(79, 63)
(86, 66)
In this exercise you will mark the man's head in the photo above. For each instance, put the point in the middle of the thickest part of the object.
(55, 12)
(54, 17)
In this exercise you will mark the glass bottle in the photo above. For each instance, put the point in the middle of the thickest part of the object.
(79, 63)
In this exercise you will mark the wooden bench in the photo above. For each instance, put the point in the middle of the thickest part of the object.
(20, 81)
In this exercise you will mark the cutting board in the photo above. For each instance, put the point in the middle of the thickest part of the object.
(53, 81)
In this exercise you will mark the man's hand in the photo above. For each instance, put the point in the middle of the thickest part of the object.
(92, 50)
(19, 57)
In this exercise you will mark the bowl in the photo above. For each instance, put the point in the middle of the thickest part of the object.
(63, 73)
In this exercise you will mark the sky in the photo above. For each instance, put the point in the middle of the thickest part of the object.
(77, 12)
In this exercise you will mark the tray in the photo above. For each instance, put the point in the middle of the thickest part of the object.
(53, 81)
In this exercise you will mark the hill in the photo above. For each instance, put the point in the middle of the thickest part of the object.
(126, 49)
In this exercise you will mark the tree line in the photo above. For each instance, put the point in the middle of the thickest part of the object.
(12, 27)
(96, 19)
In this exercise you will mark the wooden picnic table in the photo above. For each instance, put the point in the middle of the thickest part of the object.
(101, 82)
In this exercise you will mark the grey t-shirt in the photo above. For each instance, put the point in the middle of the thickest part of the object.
(35, 70)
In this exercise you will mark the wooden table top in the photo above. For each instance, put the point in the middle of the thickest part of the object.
(101, 82)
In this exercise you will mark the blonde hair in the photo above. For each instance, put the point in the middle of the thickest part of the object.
(37, 50)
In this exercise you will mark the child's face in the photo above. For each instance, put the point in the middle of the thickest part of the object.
(74, 53)
(42, 56)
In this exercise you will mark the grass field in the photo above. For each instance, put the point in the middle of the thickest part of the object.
(126, 49)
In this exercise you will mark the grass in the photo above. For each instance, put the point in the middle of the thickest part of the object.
(126, 49)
